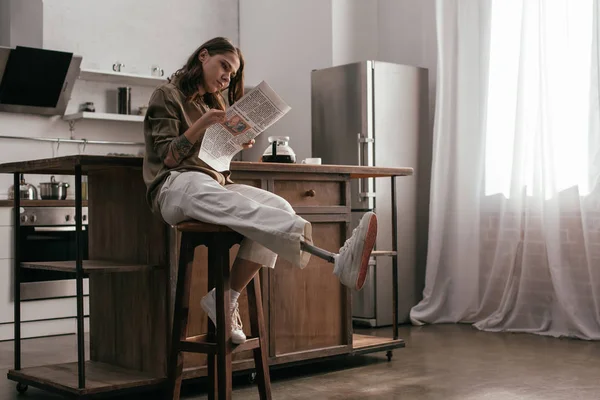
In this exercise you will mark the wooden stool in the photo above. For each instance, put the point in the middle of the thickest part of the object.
(218, 239)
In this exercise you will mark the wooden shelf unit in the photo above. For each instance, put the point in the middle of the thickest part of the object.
(120, 78)
(103, 116)
(88, 266)
(100, 377)
(129, 313)
(368, 343)
(43, 203)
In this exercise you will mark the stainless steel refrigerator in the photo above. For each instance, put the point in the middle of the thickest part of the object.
(376, 113)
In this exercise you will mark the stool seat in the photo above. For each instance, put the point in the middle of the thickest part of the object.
(201, 227)
(216, 344)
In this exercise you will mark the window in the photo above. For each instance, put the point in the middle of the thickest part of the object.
(540, 97)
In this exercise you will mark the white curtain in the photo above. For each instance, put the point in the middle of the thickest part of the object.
(514, 234)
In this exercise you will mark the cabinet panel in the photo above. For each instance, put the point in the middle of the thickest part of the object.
(6, 242)
(308, 306)
(6, 217)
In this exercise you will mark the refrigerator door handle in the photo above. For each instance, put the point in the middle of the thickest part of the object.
(361, 140)
(360, 162)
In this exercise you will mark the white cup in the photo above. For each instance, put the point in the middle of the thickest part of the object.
(316, 161)
(155, 70)
(118, 66)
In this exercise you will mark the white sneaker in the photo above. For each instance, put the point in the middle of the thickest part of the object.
(209, 305)
(352, 263)
(237, 333)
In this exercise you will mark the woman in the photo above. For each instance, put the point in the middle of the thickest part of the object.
(182, 187)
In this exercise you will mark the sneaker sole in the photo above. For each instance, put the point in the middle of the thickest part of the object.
(370, 238)
(238, 342)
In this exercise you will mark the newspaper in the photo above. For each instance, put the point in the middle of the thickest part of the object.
(246, 119)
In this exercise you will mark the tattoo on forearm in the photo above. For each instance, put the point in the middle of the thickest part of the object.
(180, 147)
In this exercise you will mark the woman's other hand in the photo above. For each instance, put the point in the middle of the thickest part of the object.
(249, 144)
(211, 117)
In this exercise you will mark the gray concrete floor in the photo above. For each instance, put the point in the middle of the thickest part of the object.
(440, 362)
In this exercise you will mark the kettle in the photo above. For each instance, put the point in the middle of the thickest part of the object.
(27, 190)
(279, 150)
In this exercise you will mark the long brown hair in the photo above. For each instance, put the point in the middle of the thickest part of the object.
(191, 76)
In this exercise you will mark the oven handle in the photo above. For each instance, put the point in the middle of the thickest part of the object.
(56, 228)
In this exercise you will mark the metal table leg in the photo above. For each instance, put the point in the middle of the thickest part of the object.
(79, 278)
(17, 266)
(395, 258)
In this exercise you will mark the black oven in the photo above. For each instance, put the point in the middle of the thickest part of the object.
(48, 234)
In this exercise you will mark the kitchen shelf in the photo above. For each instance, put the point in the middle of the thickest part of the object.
(103, 116)
(100, 377)
(369, 344)
(42, 203)
(88, 266)
(120, 78)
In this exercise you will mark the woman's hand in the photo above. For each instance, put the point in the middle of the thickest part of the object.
(211, 117)
(249, 144)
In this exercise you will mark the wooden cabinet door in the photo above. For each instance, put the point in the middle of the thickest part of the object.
(308, 307)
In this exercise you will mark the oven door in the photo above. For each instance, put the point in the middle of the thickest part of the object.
(49, 243)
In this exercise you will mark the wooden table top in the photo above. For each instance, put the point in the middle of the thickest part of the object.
(66, 166)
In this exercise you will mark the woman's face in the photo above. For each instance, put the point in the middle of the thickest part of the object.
(218, 70)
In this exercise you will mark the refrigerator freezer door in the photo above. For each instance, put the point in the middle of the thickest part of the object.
(342, 123)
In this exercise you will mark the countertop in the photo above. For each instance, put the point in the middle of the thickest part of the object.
(66, 166)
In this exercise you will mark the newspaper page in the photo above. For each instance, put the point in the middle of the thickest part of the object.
(246, 119)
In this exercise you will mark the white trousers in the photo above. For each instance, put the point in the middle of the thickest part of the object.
(268, 223)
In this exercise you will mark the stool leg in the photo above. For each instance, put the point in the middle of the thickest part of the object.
(212, 377)
(218, 256)
(211, 359)
(180, 319)
(257, 328)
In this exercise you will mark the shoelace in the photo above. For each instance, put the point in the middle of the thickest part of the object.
(236, 320)
(347, 242)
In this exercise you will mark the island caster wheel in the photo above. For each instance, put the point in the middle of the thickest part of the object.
(389, 355)
(21, 387)
(252, 377)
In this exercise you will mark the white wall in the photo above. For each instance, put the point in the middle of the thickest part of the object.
(139, 34)
(282, 42)
(407, 35)
(355, 30)
(4, 23)
(21, 23)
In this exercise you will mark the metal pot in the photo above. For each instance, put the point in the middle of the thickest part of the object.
(53, 190)
(27, 190)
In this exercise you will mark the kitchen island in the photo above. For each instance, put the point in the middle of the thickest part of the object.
(132, 271)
